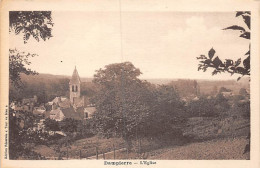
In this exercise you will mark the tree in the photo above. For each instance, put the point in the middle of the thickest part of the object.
(229, 65)
(115, 82)
(121, 101)
(37, 24)
(202, 107)
(19, 137)
(186, 87)
(130, 108)
(208, 107)
(243, 92)
(51, 125)
(168, 115)
(14, 138)
(69, 125)
(221, 104)
(17, 65)
(224, 89)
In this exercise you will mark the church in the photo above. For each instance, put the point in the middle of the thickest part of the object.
(76, 106)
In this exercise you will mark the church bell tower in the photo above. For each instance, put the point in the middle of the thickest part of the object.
(74, 86)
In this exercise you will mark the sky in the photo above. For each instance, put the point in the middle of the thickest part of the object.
(160, 44)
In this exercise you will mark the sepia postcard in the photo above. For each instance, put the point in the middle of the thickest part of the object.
(130, 83)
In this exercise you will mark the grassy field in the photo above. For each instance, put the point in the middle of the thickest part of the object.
(211, 139)
(86, 147)
(218, 149)
(213, 128)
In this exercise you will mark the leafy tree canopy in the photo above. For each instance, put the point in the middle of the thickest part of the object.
(118, 99)
(37, 24)
(224, 89)
(229, 65)
(51, 125)
(17, 65)
(243, 92)
(130, 108)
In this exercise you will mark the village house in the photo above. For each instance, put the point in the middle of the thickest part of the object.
(40, 111)
(27, 104)
(227, 94)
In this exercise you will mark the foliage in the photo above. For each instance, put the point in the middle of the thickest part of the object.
(14, 139)
(224, 89)
(31, 23)
(229, 65)
(56, 88)
(168, 114)
(208, 107)
(69, 125)
(46, 89)
(243, 92)
(17, 65)
(51, 125)
(118, 99)
(130, 108)
(86, 129)
(244, 108)
(241, 107)
(221, 104)
(202, 107)
(88, 89)
(19, 137)
(186, 87)
(77, 128)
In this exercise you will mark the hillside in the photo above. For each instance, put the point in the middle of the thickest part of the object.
(48, 86)
(49, 77)
(218, 149)
(244, 82)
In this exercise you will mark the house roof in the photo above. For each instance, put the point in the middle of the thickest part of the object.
(79, 101)
(90, 110)
(39, 110)
(63, 102)
(56, 111)
(57, 114)
(55, 100)
(70, 112)
(75, 77)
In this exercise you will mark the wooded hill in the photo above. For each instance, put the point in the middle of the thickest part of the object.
(48, 86)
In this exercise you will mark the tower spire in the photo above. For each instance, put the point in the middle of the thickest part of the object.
(75, 79)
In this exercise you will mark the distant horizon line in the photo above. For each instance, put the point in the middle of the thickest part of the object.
(213, 79)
